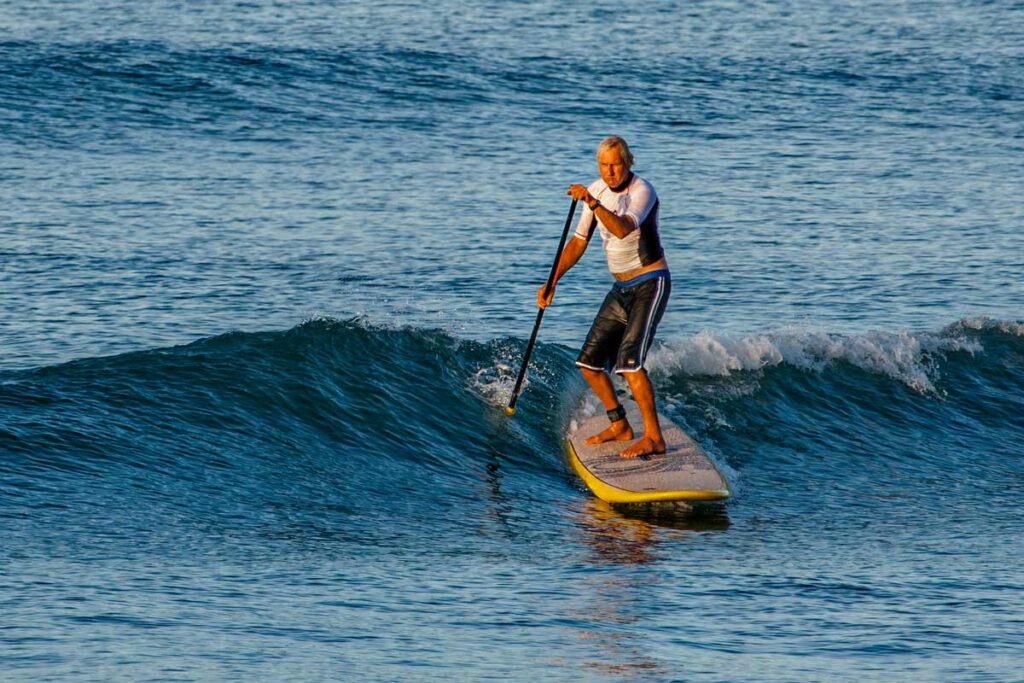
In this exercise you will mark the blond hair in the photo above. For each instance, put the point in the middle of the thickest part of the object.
(615, 142)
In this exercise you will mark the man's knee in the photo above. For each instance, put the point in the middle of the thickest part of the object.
(636, 378)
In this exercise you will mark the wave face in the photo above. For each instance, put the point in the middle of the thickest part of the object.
(349, 455)
(363, 417)
(930, 419)
(331, 413)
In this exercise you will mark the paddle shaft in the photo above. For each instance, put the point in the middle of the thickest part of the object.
(540, 311)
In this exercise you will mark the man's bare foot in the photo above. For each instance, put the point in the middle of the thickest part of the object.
(617, 431)
(644, 446)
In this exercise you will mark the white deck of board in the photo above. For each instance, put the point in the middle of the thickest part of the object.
(684, 467)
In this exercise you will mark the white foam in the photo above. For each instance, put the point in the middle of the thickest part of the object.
(496, 382)
(904, 356)
(986, 324)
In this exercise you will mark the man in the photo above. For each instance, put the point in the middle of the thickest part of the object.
(623, 207)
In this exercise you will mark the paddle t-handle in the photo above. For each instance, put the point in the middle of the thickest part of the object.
(511, 408)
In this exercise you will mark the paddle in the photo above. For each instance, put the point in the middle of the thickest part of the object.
(511, 409)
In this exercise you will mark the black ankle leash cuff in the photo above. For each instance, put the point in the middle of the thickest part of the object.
(616, 414)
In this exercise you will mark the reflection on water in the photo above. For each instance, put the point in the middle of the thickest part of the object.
(626, 544)
(615, 538)
(629, 533)
(696, 517)
(500, 504)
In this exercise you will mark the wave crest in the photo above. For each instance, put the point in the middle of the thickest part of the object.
(904, 356)
(985, 324)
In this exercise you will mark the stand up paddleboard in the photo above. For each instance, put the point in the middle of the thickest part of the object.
(684, 473)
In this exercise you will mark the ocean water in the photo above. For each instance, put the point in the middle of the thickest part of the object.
(268, 270)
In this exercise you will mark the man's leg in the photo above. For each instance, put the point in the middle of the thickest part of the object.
(599, 348)
(646, 304)
(602, 386)
(652, 441)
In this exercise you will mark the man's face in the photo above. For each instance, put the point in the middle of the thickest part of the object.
(613, 168)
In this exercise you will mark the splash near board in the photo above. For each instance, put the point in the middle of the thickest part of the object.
(683, 473)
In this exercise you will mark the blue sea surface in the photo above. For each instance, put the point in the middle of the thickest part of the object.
(268, 271)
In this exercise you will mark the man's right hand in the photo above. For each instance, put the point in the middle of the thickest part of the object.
(580, 193)
(542, 301)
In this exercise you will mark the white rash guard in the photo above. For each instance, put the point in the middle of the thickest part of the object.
(636, 201)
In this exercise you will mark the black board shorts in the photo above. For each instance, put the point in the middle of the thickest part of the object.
(624, 327)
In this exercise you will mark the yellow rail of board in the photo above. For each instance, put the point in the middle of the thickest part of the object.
(614, 494)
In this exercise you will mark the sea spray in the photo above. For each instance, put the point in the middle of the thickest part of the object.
(904, 356)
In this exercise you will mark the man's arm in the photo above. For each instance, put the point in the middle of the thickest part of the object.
(568, 258)
(620, 226)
